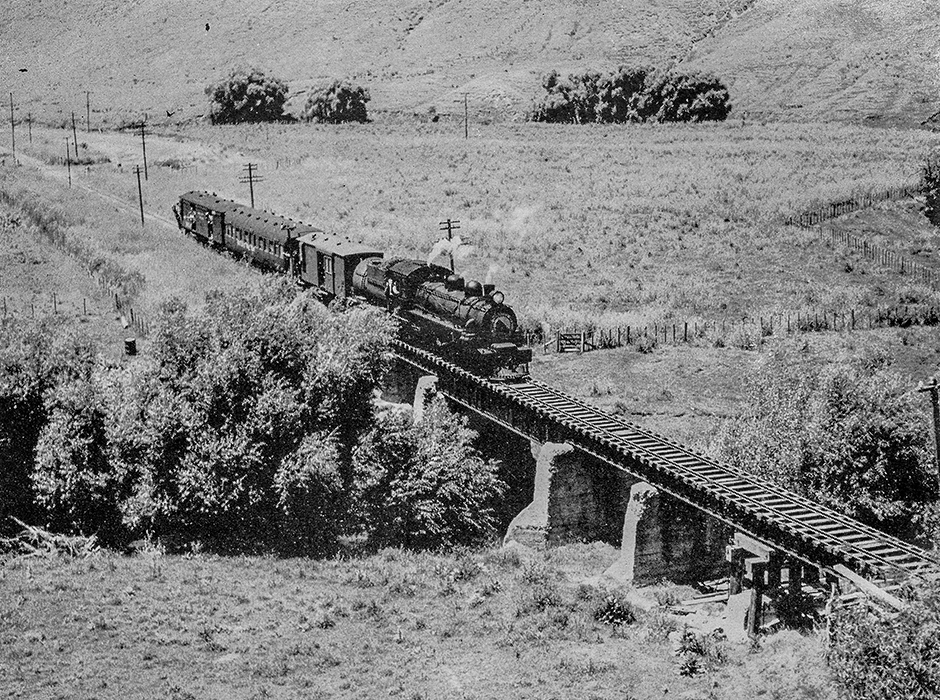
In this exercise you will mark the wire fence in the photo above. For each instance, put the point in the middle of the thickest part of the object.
(824, 212)
(55, 304)
(745, 333)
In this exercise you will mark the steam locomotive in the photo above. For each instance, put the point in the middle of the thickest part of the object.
(464, 321)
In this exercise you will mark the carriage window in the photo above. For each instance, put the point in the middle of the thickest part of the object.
(328, 265)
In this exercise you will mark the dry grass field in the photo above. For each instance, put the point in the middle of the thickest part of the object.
(610, 225)
(493, 623)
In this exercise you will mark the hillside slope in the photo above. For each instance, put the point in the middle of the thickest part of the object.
(873, 60)
(840, 60)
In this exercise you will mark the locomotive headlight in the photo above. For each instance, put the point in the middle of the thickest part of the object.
(498, 297)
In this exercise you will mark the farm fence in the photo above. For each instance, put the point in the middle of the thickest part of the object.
(745, 333)
(812, 217)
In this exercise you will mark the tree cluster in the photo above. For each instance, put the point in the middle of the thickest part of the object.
(852, 434)
(249, 425)
(247, 95)
(338, 102)
(631, 95)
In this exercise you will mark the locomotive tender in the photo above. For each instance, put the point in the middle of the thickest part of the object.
(464, 321)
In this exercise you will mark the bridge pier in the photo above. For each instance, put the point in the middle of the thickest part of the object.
(579, 498)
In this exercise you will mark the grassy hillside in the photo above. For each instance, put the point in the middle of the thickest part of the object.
(491, 624)
(156, 56)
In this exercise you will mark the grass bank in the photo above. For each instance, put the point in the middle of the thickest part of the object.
(490, 623)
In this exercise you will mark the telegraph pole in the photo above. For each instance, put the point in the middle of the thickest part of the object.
(87, 111)
(450, 226)
(68, 160)
(934, 388)
(251, 178)
(12, 128)
(140, 194)
(143, 146)
(74, 136)
(466, 123)
(29, 125)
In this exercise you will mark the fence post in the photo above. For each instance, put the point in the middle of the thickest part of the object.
(685, 333)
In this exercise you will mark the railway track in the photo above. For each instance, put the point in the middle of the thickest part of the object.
(769, 513)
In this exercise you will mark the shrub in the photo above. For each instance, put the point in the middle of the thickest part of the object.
(310, 496)
(614, 610)
(699, 652)
(72, 479)
(35, 357)
(247, 95)
(853, 435)
(340, 101)
(243, 419)
(882, 657)
(423, 485)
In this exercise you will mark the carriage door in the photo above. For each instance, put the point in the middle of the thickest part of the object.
(329, 280)
(320, 268)
(210, 221)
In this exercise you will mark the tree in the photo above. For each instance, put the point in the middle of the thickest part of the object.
(423, 485)
(245, 421)
(630, 95)
(247, 95)
(853, 435)
(35, 357)
(675, 97)
(338, 102)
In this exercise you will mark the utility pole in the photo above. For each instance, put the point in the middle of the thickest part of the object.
(450, 226)
(140, 194)
(68, 160)
(74, 136)
(143, 145)
(466, 123)
(251, 178)
(934, 388)
(12, 128)
(87, 111)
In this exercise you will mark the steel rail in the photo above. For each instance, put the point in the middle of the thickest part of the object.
(760, 502)
(844, 539)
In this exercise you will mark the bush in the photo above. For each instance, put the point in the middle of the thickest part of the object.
(247, 416)
(338, 102)
(882, 657)
(423, 485)
(247, 95)
(631, 95)
(73, 479)
(35, 357)
(853, 435)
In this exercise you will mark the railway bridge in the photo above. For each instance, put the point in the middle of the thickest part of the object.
(681, 515)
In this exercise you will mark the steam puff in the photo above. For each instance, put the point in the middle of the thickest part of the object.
(454, 247)
(490, 273)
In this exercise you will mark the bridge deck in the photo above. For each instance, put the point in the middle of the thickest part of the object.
(781, 518)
